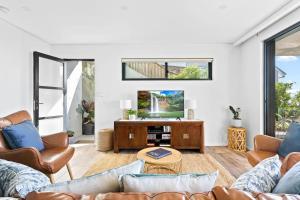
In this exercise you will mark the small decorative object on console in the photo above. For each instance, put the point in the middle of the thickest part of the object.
(159, 153)
(132, 114)
(236, 120)
(191, 105)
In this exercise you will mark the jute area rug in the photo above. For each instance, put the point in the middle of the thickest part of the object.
(192, 162)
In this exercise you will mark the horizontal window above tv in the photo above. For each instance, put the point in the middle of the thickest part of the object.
(167, 69)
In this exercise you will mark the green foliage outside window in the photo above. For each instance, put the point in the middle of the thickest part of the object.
(287, 106)
(191, 72)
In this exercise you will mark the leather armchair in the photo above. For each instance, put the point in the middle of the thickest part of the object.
(56, 154)
(264, 147)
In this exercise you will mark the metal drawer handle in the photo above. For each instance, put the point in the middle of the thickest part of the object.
(186, 136)
(131, 136)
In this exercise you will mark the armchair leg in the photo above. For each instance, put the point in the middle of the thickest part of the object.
(70, 171)
(51, 177)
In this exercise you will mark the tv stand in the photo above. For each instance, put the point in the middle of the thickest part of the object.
(177, 134)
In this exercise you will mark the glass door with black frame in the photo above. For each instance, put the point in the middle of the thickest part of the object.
(287, 81)
(49, 93)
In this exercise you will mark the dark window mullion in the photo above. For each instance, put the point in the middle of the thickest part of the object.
(166, 71)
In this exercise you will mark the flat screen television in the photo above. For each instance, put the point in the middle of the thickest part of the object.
(161, 104)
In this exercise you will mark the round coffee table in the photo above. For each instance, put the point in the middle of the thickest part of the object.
(166, 165)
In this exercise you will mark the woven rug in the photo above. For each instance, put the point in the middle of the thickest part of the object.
(192, 162)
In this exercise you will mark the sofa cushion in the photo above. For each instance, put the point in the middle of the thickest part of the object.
(23, 135)
(262, 178)
(191, 183)
(290, 182)
(99, 183)
(156, 196)
(17, 180)
(291, 140)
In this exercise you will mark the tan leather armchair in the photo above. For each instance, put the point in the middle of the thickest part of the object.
(56, 154)
(264, 147)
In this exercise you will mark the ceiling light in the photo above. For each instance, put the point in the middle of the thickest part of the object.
(4, 9)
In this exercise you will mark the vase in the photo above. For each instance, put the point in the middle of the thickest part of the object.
(132, 117)
(236, 123)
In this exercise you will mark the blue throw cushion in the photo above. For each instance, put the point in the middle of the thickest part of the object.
(291, 142)
(290, 182)
(23, 135)
(17, 180)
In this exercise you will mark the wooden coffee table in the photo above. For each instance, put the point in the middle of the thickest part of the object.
(166, 165)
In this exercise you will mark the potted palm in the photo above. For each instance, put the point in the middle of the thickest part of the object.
(236, 120)
(132, 114)
(87, 110)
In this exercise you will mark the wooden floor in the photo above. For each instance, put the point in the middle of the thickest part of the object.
(85, 155)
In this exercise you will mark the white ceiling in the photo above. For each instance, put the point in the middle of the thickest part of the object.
(138, 21)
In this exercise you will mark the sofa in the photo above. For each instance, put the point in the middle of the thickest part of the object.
(217, 193)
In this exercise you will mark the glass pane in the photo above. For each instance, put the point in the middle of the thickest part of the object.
(50, 73)
(287, 82)
(144, 69)
(48, 126)
(188, 70)
(51, 102)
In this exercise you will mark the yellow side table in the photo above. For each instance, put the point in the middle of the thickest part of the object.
(237, 139)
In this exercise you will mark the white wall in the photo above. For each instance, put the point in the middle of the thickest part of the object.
(251, 76)
(16, 68)
(213, 96)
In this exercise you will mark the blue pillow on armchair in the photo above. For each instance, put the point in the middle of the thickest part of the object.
(23, 135)
(291, 142)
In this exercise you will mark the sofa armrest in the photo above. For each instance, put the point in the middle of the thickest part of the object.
(53, 196)
(230, 194)
(289, 161)
(28, 156)
(56, 140)
(266, 143)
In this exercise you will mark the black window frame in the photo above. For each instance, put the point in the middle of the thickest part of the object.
(269, 79)
(166, 70)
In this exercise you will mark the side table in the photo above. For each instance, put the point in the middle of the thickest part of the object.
(237, 139)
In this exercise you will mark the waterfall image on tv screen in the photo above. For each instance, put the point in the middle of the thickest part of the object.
(161, 103)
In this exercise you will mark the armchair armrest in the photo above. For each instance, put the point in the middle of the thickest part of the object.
(28, 156)
(266, 143)
(289, 161)
(56, 140)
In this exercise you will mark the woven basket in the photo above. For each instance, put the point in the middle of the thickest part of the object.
(104, 139)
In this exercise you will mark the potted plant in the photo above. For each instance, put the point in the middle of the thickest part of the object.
(132, 114)
(236, 120)
(87, 110)
(72, 139)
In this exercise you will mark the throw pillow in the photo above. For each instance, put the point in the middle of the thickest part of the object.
(99, 183)
(290, 182)
(154, 183)
(291, 140)
(17, 180)
(23, 135)
(262, 178)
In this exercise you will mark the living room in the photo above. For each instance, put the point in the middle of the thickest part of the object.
(246, 52)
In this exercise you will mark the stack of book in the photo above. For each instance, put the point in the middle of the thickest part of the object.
(159, 153)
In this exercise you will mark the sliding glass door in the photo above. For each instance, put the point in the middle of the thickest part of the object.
(282, 81)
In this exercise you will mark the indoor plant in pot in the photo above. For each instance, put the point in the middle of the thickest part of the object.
(72, 139)
(132, 114)
(236, 120)
(87, 110)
